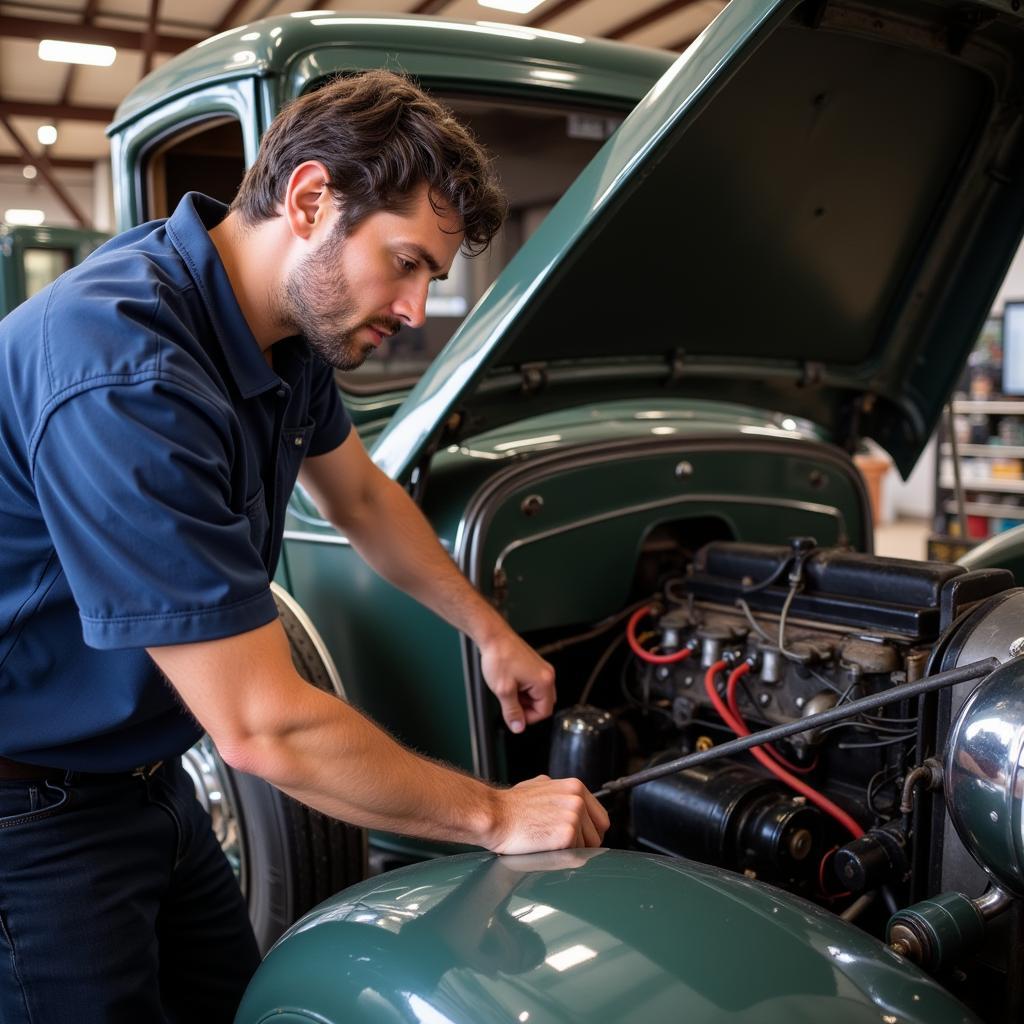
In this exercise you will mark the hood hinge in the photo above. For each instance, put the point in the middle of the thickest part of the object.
(676, 367)
(534, 377)
(859, 408)
(811, 374)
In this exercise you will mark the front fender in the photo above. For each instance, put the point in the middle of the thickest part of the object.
(1003, 551)
(582, 936)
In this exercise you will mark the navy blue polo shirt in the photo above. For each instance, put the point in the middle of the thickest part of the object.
(147, 452)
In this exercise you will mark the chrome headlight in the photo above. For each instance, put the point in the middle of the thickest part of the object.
(984, 775)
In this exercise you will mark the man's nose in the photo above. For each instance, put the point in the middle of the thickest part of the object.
(411, 307)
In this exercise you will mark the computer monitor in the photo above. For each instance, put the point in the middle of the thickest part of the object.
(1013, 348)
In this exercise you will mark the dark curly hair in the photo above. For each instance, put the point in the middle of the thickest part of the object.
(380, 137)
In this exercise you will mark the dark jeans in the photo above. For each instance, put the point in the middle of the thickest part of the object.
(117, 905)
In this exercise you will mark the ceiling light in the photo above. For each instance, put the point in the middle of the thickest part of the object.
(29, 171)
(46, 134)
(515, 6)
(63, 52)
(33, 218)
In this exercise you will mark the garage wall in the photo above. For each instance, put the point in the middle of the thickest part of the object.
(91, 190)
(1013, 286)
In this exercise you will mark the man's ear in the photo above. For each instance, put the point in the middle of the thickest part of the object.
(307, 199)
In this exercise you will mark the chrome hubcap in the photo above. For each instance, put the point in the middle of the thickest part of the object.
(214, 791)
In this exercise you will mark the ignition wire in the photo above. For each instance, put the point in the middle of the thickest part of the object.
(819, 799)
(642, 652)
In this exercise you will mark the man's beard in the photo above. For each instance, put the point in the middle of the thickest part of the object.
(318, 305)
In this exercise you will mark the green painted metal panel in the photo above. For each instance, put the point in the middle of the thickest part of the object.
(852, 305)
(605, 937)
(1003, 551)
(595, 517)
(14, 240)
(399, 662)
(132, 143)
(298, 47)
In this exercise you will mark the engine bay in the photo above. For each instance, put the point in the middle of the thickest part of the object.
(751, 636)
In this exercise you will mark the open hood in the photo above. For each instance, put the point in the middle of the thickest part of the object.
(811, 212)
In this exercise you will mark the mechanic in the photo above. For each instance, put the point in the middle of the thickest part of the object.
(156, 405)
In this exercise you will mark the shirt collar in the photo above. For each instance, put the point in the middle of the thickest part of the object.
(189, 230)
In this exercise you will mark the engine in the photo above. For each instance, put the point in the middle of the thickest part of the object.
(751, 636)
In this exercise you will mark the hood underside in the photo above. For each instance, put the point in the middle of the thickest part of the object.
(811, 212)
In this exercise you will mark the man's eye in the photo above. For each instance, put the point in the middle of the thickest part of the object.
(407, 265)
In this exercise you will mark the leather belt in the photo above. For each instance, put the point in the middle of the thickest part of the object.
(18, 770)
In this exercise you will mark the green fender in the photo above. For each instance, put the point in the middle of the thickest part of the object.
(1003, 551)
(596, 936)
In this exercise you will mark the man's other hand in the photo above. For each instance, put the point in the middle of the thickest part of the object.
(548, 814)
(520, 678)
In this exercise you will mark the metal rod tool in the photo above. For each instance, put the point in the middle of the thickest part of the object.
(779, 732)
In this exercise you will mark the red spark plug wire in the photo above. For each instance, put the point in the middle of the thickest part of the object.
(730, 696)
(819, 799)
(642, 652)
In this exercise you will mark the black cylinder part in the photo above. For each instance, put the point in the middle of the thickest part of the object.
(730, 815)
(585, 746)
(877, 858)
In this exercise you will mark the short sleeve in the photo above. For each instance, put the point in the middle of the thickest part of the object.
(327, 411)
(134, 483)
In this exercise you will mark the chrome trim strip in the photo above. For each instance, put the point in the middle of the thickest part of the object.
(683, 499)
(318, 538)
(319, 646)
(336, 538)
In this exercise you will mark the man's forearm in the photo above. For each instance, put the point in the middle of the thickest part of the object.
(334, 759)
(268, 721)
(394, 537)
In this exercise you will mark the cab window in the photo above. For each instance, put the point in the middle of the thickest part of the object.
(538, 149)
(41, 266)
(206, 156)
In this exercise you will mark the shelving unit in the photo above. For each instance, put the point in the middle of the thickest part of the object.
(991, 502)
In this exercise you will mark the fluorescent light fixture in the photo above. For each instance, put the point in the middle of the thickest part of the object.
(46, 134)
(62, 52)
(33, 218)
(29, 172)
(515, 6)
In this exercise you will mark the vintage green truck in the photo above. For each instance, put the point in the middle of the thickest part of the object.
(637, 444)
(31, 257)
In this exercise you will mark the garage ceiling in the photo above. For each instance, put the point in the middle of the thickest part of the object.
(80, 100)
(147, 32)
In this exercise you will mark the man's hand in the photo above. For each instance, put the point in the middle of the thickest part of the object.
(548, 814)
(519, 677)
(268, 721)
(391, 534)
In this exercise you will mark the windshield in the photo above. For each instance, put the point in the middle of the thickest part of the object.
(42, 266)
(538, 149)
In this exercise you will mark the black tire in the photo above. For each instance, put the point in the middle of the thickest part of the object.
(288, 857)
